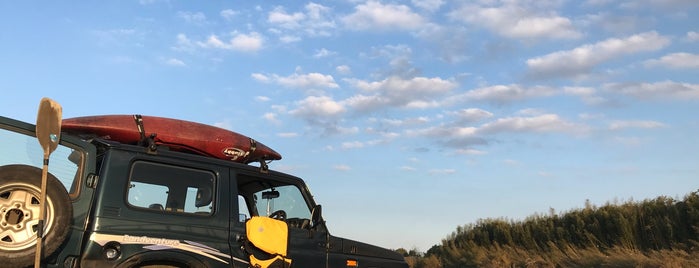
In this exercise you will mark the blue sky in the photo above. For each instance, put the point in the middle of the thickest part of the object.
(406, 118)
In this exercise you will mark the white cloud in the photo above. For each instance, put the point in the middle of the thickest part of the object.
(680, 60)
(658, 90)
(322, 53)
(367, 103)
(260, 77)
(444, 132)
(271, 117)
(175, 62)
(457, 134)
(417, 92)
(289, 39)
(287, 134)
(471, 115)
(342, 167)
(530, 112)
(662, 4)
(303, 81)
(539, 123)
(407, 168)
(240, 42)
(511, 20)
(352, 145)
(310, 80)
(395, 123)
(314, 106)
(507, 93)
(325, 113)
(611, 22)
(389, 135)
(228, 14)
(429, 5)
(398, 86)
(391, 52)
(447, 171)
(469, 151)
(374, 15)
(214, 42)
(282, 19)
(452, 42)
(247, 42)
(262, 98)
(587, 94)
(421, 104)
(619, 125)
(320, 21)
(343, 69)
(313, 20)
(192, 17)
(579, 91)
(583, 59)
(279, 108)
(359, 144)
(183, 43)
(692, 36)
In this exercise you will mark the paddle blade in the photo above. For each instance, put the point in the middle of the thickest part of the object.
(48, 124)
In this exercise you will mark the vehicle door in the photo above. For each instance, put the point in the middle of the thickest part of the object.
(263, 196)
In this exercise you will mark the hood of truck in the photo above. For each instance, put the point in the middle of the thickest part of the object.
(351, 247)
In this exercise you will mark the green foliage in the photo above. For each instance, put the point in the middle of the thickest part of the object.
(662, 232)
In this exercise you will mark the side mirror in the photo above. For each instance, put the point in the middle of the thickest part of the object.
(316, 216)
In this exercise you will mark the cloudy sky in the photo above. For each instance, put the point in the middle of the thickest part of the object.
(406, 118)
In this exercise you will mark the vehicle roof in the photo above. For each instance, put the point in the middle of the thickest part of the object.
(165, 152)
(29, 128)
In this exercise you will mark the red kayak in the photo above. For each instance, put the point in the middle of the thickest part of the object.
(178, 135)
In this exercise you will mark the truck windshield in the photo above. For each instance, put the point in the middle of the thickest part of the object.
(287, 198)
(23, 149)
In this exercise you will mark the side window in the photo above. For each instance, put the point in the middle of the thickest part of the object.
(18, 148)
(171, 189)
(152, 196)
(243, 211)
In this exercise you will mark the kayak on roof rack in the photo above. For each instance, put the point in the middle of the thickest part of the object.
(178, 135)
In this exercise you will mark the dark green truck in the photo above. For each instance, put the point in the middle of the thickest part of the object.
(119, 205)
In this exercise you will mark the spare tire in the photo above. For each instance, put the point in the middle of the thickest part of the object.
(20, 192)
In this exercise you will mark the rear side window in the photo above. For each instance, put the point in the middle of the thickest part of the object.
(17, 148)
(171, 189)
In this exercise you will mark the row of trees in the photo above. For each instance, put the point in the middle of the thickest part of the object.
(632, 233)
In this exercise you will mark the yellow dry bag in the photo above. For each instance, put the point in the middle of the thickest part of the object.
(272, 237)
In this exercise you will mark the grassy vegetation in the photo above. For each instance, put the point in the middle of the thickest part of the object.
(661, 232)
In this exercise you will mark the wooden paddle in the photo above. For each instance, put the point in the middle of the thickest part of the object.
(48, 132)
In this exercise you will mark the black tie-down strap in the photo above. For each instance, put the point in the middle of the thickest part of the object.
(263, 165)
(261, 259)
(148, 142)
